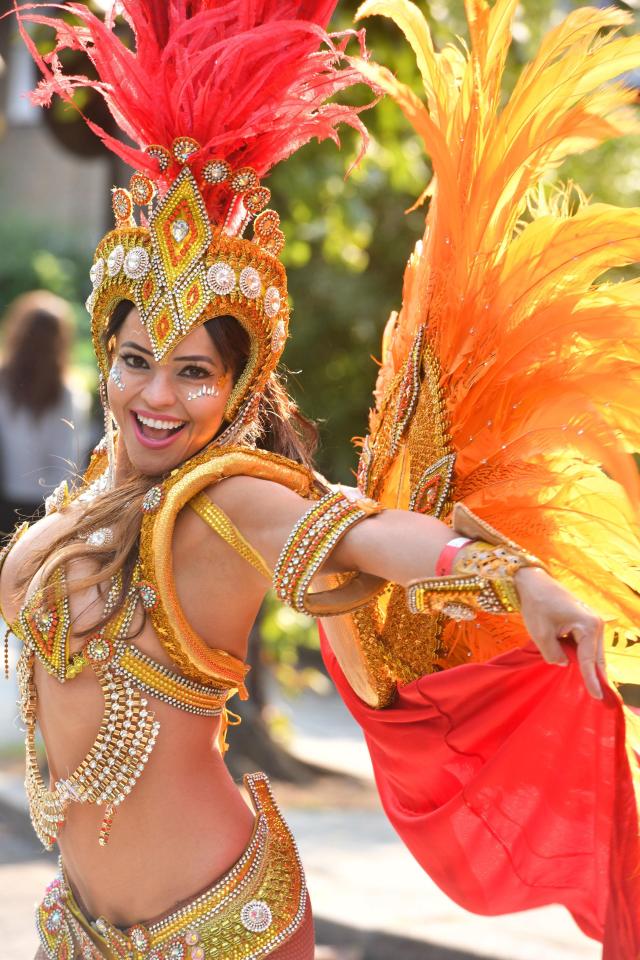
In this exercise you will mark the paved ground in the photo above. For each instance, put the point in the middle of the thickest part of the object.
(371, 900)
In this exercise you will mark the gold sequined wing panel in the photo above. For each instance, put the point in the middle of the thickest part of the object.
(406, 463)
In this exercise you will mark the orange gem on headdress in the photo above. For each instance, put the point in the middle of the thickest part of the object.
(142, 189)
(184, 148)
(148, 289)
(122, 205)
(256, 200)
(163, 325)
(193, 296)
(244, 179)
(274, 243)
(161, 154)
(216, 171)
(265, 225)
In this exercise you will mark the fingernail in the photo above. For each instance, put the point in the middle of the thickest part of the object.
(561, 663)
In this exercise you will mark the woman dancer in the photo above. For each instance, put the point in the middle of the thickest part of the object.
(135, 595)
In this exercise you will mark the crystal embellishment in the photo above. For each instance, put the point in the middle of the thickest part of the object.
(216, 171)
(256, 916)
(152, 499)
(184, 148)
(250, 283)
(148, 595)
(221, 278)
(179, 230)
(244, 179)
(137, 263)
(98, 650)
(272, 302)
(115, 260)
(140, 938)
(96, 273)
(98, 538)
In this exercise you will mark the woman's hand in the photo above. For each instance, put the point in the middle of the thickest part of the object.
(552, 614)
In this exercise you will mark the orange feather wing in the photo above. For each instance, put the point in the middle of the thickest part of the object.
(510, 375)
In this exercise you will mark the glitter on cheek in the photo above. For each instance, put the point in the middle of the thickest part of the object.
(115, 374)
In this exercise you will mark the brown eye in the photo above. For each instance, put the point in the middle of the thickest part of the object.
(134, 361)
(194, 372)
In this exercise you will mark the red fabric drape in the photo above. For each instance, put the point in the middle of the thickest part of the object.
(512, 788)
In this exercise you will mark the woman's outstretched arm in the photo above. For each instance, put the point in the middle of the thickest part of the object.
(402, 546)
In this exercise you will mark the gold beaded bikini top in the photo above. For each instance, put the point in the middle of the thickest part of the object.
(127, 677)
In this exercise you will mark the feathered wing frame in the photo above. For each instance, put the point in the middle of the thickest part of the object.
(510, 376)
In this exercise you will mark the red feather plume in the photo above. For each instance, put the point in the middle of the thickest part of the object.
(249, 80)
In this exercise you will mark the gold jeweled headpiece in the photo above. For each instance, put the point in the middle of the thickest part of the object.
(182, 270)
(213, 96)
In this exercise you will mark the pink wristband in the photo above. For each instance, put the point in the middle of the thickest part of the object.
(444, 562)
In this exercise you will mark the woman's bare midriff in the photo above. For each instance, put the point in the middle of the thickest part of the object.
(183, 825)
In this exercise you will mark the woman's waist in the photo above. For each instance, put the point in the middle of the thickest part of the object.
(255, 905)
(166, 841)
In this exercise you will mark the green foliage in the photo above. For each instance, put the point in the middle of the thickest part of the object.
(284, 635)
(37, 256)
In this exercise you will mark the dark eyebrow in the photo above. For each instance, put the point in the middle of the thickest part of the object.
(206, 359)
(136, 346)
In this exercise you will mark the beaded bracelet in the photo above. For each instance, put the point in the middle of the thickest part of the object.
(482, 579)
(312, 540)
(459, 597)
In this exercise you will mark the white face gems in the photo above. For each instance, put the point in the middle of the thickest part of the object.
(203, 392)
(279, 336)
(256, 916)
(115, 374)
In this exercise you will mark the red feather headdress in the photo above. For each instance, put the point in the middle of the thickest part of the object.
(212, 96)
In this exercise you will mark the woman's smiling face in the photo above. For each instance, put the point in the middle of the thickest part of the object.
(166, 412)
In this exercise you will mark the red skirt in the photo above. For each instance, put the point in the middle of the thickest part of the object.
(513, 789)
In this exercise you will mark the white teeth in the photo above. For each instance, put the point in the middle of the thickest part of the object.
(160, 424)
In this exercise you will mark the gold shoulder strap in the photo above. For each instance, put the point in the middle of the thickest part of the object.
(217, 519)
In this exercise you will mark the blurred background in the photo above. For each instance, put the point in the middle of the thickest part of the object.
(347, 242)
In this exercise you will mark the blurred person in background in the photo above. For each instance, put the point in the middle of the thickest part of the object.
(44, 418)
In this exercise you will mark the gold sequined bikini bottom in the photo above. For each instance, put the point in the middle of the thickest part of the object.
(258, 905)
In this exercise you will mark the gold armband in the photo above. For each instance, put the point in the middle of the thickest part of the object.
(482, 574)
(310, 543)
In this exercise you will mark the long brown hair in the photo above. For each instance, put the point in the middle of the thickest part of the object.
(279, 428)
(36, 346)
